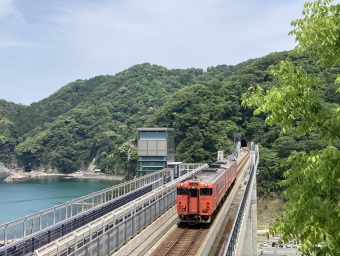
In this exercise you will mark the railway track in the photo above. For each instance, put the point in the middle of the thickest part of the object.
(184, 240)
(191, 246)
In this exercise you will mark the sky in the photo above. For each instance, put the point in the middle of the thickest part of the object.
(46, 44)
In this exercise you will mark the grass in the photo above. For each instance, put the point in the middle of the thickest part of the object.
(268, 209)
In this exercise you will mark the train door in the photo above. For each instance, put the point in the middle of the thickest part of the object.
(193, 200)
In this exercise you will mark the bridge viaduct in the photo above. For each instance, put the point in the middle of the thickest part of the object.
(133, 218)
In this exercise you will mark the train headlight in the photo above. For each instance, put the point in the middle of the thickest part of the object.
(206, 184)
(181, 184)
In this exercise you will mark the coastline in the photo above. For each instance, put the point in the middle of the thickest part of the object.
(20, 175)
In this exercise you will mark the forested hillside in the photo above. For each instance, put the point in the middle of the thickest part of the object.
(98, 118)
(94, 118)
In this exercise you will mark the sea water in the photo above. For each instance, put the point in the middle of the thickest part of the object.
(21, 199)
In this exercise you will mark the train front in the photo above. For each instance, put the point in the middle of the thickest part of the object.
(194, 201)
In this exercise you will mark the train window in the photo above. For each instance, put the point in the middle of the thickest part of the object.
(206, 191)
(193, 192)
(182, 191)
(221, 185)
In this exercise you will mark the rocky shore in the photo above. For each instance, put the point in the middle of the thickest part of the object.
(20, 175)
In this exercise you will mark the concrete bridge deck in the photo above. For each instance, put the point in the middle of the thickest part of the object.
(149, 239)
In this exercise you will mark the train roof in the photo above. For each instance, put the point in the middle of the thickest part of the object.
(212, 173)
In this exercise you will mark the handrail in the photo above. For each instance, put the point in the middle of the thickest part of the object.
(232, 240)
(153, 196)
(24, 227)
(71, 208)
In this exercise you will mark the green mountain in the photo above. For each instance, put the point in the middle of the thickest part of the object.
(87, 119)
(96, 120)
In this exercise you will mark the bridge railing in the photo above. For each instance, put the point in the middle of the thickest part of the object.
(230, 246)
(110, 232)
(20, 228)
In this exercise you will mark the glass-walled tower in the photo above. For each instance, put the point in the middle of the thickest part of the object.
(156, 147)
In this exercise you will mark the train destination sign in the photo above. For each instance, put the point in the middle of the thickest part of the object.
(193, 184)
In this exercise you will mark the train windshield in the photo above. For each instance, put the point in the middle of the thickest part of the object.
(193, 192)
(205, 191)
(182, 191)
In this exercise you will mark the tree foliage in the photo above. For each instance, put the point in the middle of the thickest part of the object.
(269, 171)
(93, 118)
(297, 106)
(198, 113)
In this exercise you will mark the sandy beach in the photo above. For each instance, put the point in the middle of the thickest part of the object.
(20, 175)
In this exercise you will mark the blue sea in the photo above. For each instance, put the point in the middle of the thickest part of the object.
(18, 200)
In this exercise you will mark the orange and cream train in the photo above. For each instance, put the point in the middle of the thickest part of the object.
(198, 197)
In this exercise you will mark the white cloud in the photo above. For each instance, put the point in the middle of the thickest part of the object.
(7, 9)
(10, 20)
(55, 42)
(16, 44)
(125, 28)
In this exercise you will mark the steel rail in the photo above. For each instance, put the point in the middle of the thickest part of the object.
(193, 241)
(170, 248)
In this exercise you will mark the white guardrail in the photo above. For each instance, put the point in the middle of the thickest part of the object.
(107, 234)
(28, 225)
